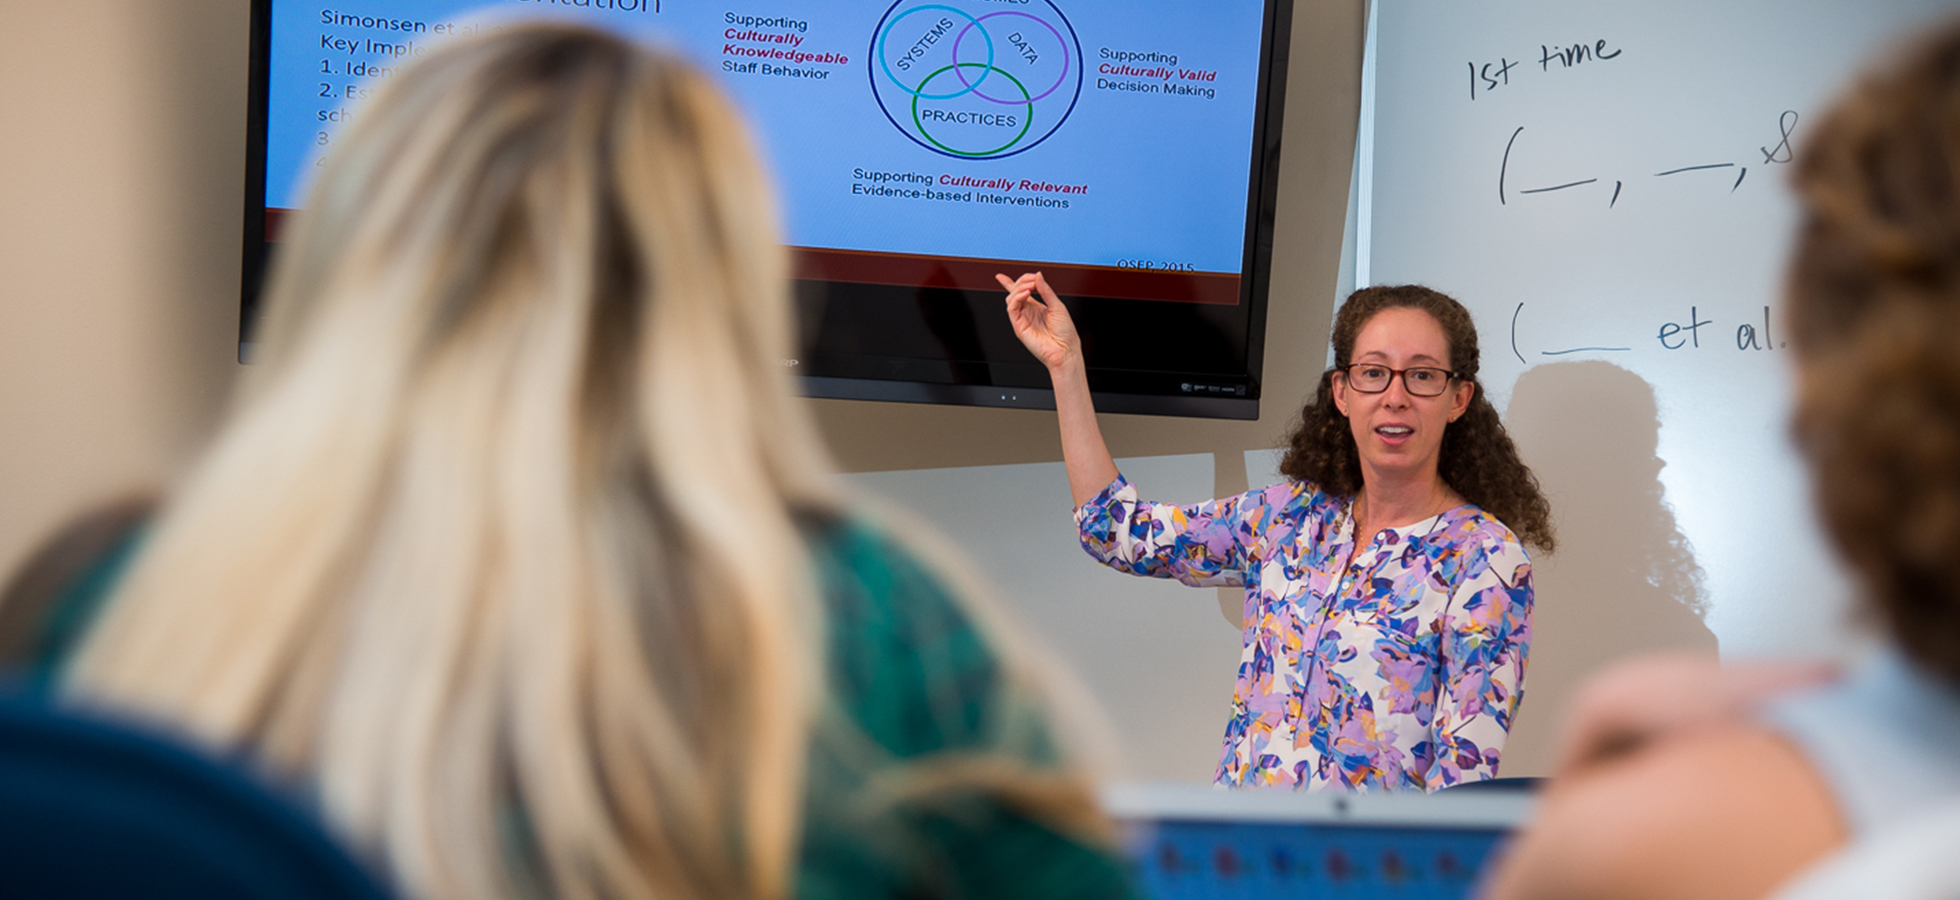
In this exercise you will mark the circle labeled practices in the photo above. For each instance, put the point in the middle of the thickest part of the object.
(993, 120)
(965, 79)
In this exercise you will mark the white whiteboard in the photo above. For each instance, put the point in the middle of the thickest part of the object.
(1626, 172)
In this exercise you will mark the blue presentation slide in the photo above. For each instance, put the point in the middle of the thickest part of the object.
(1095, 133)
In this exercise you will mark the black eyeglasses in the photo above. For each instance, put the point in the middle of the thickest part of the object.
(1419, 381)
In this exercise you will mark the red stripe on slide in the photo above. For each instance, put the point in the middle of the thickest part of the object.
(962, 273)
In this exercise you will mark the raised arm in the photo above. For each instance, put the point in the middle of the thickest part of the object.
(1202, 545)
(1043, 325)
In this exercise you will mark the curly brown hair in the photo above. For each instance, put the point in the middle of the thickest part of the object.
(1478, 458)
(1874, 304)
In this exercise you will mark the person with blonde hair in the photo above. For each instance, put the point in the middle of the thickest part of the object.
(519, 553)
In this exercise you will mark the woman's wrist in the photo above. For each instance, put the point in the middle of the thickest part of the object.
(1071, 367)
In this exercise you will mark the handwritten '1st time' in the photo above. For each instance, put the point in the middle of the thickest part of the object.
(1487, 77)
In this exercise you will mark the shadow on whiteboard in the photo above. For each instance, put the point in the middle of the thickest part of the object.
(1624, 579)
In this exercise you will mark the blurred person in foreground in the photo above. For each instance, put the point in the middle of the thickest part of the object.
(518, 551)
(1686, 781)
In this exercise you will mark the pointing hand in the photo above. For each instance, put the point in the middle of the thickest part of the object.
(1043, 324)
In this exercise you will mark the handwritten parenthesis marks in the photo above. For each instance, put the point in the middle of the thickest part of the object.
(1520, 354)
(1780, 154)
(1506, 167)
(1787, 123)
(1504, 171)
(1514, 334)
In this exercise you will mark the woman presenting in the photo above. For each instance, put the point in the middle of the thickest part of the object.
(1387, 596)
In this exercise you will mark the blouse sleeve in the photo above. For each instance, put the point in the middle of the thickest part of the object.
(1486, 637)
(1203, 545)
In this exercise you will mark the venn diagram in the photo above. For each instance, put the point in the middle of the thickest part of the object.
(970, 80)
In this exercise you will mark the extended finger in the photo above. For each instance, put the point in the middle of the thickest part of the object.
(1047, 293)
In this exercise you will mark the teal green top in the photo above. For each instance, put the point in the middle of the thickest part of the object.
(912, 678)
(911, 681)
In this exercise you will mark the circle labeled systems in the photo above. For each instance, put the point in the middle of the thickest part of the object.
(967, 79)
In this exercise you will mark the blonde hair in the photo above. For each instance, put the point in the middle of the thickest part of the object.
(508, 521)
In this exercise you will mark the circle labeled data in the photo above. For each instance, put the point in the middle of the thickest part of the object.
(969, 80)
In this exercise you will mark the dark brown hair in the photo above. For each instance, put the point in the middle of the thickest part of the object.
(1477, 460)
(1874, 303)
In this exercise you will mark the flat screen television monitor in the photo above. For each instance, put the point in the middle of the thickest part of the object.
(1127, 149)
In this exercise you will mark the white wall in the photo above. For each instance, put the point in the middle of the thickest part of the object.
(1156, 655)
(121, 180)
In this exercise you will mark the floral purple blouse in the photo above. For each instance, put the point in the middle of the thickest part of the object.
(1401, 671)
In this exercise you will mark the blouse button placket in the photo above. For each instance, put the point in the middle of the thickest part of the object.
(1356, 564)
